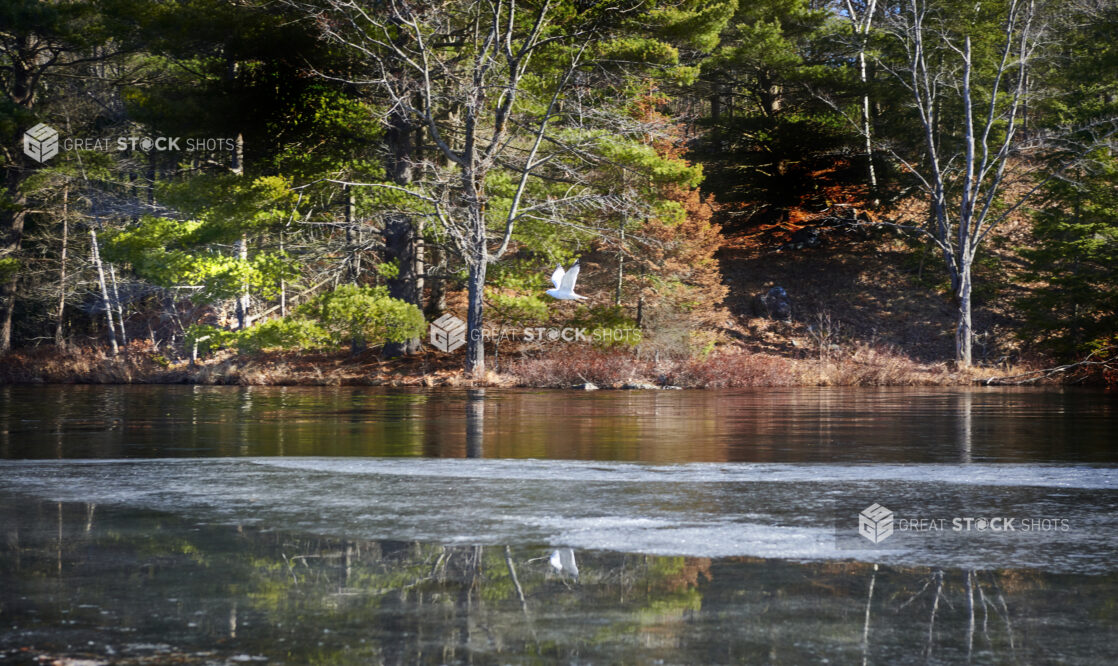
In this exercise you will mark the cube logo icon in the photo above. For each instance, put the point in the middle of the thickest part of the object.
(40, 143)
(448, 333)
(875, 523)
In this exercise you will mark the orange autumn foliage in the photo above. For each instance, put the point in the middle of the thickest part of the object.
(682, 257)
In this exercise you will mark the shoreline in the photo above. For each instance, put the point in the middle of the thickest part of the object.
(140, 363)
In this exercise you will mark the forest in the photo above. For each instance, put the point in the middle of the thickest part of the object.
(779, 192)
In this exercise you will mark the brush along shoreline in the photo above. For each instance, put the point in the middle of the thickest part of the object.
(856, 365)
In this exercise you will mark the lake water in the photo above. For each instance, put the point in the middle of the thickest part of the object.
(360, 525)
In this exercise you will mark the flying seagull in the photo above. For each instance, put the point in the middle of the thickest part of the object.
(564, 282)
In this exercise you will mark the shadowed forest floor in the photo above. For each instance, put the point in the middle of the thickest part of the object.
(873, 287)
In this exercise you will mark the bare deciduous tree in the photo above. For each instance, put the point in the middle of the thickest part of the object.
(964, 163)
(460, 70)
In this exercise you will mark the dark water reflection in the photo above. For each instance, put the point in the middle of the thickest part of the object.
(775, 425)
(130, 586)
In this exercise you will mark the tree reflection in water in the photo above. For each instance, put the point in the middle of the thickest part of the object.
(144, 585)
(475, 423)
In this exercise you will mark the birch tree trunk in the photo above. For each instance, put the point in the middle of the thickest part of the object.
(861, 26)
(119, 308)
(243, 301)
(106, 303)
(964, 330)
(353, 259)
(435, 281)
(59, 333)
(620, 263)
(283, 283)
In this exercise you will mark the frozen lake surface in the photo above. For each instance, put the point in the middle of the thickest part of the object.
(1064, 518)
(225, 525)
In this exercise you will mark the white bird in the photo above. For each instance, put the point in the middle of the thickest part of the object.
(564, 282)
(563, 561)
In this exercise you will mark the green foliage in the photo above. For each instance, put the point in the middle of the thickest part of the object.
(696, 24)
(9, 266)
(282, 333)
(1072, 309)
(516, 293)
(645, 158)
(622, 329)
(517, 308)
(1075, 308)
(228, 205)
(220, 209)
(388, 270)
(164, 251)
(767, 131)
(349, 314)
(209, 339)
(359, 314)
(637, 49)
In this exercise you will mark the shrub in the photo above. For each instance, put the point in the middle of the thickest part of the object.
(605, 368)
(347, 314)
(731, 371)
(359, 314)
(208, 339)
(873, 365)
(284, 333)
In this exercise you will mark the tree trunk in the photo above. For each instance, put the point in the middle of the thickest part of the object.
(404, 245)
(963, 333)
(243, 299)
(716, 118)
(620, 265)
(242, 305)
(22, 93)
(59, 333)
(861, 26)
(402, 240)
(11, 240)
(105, 301)
(475, 344)
(353, 258)
(119, 308)
(152, 174)
(866, 119)
(283, 284)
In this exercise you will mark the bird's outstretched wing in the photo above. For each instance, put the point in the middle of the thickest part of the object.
(567, 557)
(568, 281)
(557, 276)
